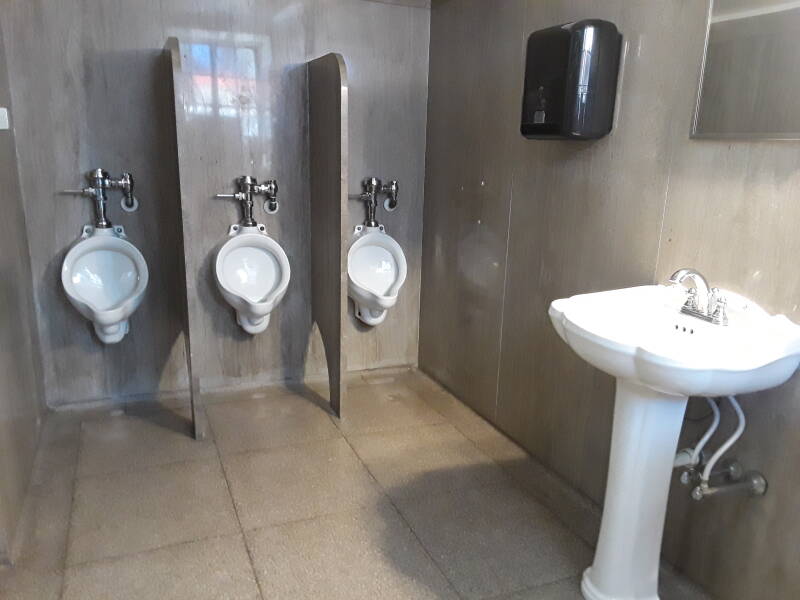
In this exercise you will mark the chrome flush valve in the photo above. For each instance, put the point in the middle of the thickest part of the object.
(100, 181)
(373, 187)
(249, 187)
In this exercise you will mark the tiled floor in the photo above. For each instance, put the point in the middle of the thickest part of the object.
(408, 496)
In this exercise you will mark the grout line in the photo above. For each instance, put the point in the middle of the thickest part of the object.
(503, 300)
(153, 467)
(403, 519)
(118, 557)
(236, 512)
(311, 442)
(70, 520)
(534, 588)
(661, 229)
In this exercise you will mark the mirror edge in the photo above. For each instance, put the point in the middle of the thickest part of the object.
(693, 133)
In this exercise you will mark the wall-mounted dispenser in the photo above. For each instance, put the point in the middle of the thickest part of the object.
(571, 81)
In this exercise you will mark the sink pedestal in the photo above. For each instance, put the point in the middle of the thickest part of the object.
(643, 445)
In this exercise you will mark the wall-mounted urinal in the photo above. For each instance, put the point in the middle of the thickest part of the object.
(376, 264)
(103, 274)
(251, 269)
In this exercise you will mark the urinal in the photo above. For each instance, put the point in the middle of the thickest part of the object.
(376, 270)
(376, 265)
(105, 277)
(252, 273)
(103, 274)
(251, 269)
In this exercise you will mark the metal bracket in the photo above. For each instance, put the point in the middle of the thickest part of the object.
(359, 229)
(88, 230)
(236, 228)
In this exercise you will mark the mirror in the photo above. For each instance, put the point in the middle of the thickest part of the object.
(750, 81)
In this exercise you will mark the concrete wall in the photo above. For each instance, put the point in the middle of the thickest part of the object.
(20, 394)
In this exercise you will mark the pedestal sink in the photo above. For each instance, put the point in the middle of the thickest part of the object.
(659, 357)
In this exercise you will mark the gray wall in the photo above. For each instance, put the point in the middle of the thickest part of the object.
(92, 91)
(19, 390)
(511, 224)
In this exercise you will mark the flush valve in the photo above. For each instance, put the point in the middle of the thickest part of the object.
(249, 187)
(374, 187)
(99, 182)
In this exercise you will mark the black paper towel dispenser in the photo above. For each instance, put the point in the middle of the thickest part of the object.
(571, 81)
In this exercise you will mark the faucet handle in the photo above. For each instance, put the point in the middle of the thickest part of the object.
(691, 299)
(87, 191)
(720, 311)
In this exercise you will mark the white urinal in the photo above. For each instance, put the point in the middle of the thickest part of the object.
(376, 270)
(105, 277)
(252, 273)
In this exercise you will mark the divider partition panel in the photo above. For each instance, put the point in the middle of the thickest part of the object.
(327, 102)
(199, 422)
(236, 114)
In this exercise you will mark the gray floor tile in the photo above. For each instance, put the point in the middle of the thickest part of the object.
(298, 482)
(20, 583)
(384, 407)
(57, 454)
(495, 540)
(670, 587)
(127, 512)
(385, 375)
(124, 442)
(44, 524)
(359, 555)
(156, 519)
(231, 395)
(566, 589)
(673, 586)
(276, 420)
(203, 570)
(418, 462)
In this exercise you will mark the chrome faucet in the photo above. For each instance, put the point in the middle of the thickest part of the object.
(100, 182)
(702, 301)
(248, 187)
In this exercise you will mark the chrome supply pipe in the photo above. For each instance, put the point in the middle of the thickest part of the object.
(751, 482)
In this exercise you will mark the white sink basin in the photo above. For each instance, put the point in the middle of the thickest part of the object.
(640, 334)
(660, 356)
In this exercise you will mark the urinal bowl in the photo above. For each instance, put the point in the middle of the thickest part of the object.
(105, 277)
(252, 274)
(376, 270)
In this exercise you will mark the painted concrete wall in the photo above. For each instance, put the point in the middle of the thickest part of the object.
(20, 393)
(511, 224)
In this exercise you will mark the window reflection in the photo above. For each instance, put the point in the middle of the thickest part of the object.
(224, 84)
